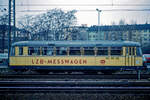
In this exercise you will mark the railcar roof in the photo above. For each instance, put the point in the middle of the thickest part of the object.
(76, 43)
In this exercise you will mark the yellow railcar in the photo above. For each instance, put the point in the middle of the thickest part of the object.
(94, 56)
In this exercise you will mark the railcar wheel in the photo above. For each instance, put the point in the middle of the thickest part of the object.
(20, 70)
(108, 72)
(91, 72)
(42, 71)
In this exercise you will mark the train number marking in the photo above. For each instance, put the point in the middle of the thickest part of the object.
(102, 61)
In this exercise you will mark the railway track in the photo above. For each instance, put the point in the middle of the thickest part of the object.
(74, 83)
(77, 83)
(132, 87)
(71, 76)
(112, 90)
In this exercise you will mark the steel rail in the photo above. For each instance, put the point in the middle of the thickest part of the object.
(83, 83)
(120, 90)
(76, 86)
(74, 76)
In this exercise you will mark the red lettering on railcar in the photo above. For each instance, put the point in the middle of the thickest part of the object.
(71, 62)
(66, 61)
(80, 61)
(62, 61)
(76, 61)
(84, 62)
(37, 61)
(49, 62)
(32, 61)
(58, 61)
(41, 61)
(54, 61)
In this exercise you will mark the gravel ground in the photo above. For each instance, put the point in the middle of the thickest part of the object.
(65, 96)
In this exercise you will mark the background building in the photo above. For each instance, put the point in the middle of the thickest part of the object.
(21, 35)
(137, 33)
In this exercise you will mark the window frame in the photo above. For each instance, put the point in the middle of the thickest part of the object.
(104, 50)
(36, 51)
(20, 51)
(61, 51)
(113, 51)
(75, 50)
(87, 49)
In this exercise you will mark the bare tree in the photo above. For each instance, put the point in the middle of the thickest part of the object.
(113, 23)
(122, 22)
(133, 22)
(27, 24)
(49, 25)
(4, 19)
(3, 30)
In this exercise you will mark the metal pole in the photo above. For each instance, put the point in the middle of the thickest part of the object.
(12, 24)
(9, 31)
(98, 19)
(98, 23)
(14, 21)
(139, 74)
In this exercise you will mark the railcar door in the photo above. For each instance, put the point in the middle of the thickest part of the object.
(130, 56)
(25, 55)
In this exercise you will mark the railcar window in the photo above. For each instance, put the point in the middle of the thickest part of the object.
(133, 51)
(116, 50)
(130, 51)
(138, 51)
(89, 51)
(12, 51)
(61, 50)
(102, 51)
(50, 51)
(127, 51)
(37, 50)
(44, 50)
(75, 51)
(30, 50)
(20, 50)
(34, 51)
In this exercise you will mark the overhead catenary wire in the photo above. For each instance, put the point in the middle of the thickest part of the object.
(79, 4)
(83, 5)
(107, 10)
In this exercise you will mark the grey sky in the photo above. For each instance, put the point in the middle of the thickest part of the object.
(86, 13)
